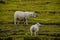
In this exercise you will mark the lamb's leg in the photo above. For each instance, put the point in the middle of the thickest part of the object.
(35, 33)
(31, 33)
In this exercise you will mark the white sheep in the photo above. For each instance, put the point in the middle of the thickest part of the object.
(20, 15)
(34, 29)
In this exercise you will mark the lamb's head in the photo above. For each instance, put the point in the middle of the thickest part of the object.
(38, 24)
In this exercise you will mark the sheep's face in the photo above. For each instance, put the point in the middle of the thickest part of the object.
(33, 15)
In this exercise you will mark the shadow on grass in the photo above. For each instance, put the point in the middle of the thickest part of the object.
(1, 39)
(2, 2)
(31, 38)
(9, 38)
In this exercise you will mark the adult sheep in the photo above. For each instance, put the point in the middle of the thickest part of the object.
(20, 15)
(34, 29)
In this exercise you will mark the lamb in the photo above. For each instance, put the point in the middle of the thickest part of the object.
(20, 15)
(34, 29)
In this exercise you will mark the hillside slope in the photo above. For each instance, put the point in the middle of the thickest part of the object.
(47, 10)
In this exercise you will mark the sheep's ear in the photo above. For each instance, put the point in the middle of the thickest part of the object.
(38, 23)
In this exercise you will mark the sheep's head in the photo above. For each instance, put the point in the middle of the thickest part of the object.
(33, 14)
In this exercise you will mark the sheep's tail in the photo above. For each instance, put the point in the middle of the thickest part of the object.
(14, 19)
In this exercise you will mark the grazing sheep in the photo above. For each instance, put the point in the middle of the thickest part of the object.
(34, 29)
(20, 15)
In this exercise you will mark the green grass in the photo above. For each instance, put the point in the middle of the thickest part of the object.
(44, 16)
(31, 6)
(46, 29)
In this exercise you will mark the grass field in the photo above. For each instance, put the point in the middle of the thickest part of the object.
(47, 11)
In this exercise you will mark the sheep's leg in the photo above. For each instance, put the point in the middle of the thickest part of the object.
(26, 22)
(18, 22)
(14, 20)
